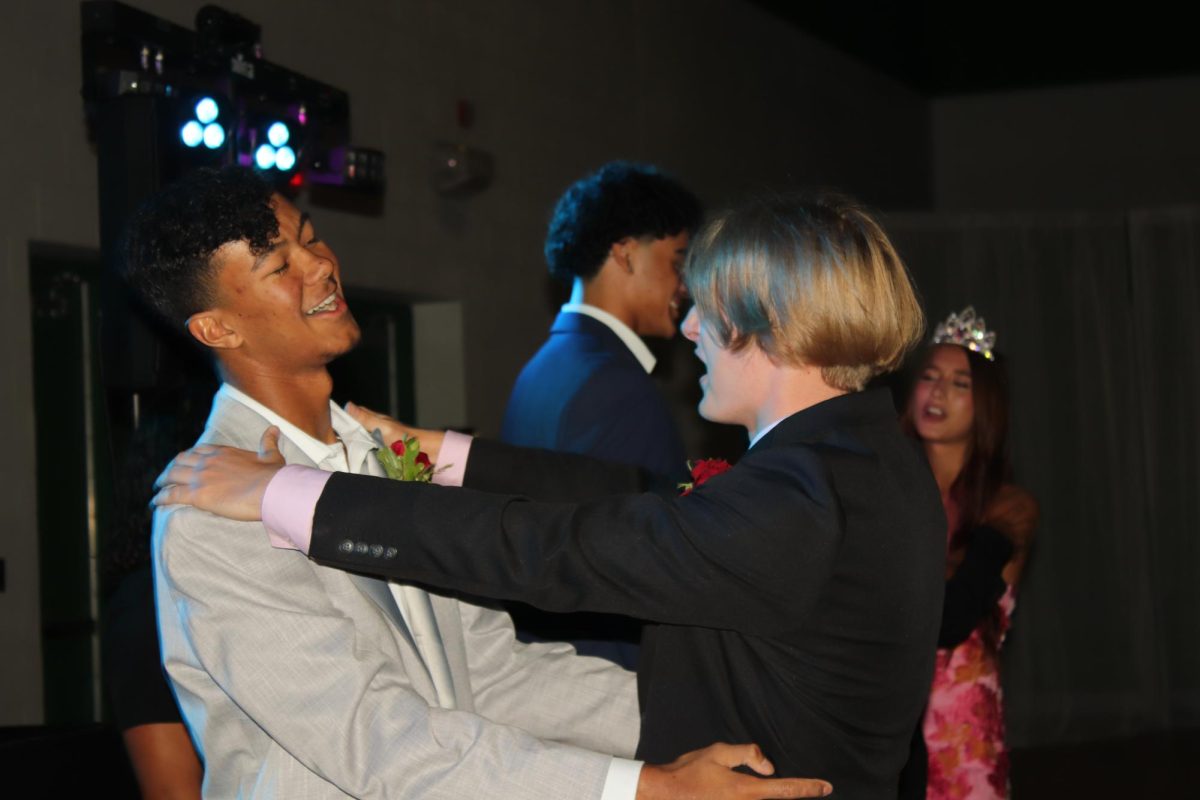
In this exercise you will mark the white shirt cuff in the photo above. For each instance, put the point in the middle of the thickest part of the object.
(622, 780)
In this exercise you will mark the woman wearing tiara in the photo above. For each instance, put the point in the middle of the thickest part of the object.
(958, 409)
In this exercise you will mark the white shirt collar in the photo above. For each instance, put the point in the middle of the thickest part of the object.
(623, 332)
(766, 429)
(330, 457)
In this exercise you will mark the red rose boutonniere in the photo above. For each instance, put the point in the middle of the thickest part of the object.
(702, 470)
(405, 461)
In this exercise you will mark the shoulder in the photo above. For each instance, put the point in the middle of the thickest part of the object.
(1014, 511)
(613, 389)
(794, 473)
(566, 362)
(188, 541)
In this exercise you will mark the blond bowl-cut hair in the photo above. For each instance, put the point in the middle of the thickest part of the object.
(812, 280)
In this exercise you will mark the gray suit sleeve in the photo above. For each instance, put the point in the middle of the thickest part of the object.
(273, 663)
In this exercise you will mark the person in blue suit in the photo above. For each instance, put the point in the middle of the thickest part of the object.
(618, 238)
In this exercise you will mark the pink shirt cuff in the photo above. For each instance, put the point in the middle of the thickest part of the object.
(455, 449)
(289, 503)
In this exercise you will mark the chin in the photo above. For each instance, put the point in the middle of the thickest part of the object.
(352, 339)
(706, 411)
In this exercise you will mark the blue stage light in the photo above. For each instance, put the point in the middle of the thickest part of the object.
(278, 134)
(206, 110)
(192, 133)
(214, 136)
(285, 159)
(264, 156)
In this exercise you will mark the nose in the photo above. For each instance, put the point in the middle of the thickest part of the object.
(681, 291)
(318, 268)
(691, 325)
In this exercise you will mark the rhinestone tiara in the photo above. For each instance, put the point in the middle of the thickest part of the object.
(966, 330)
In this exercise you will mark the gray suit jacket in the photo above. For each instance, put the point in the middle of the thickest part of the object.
(297, 681)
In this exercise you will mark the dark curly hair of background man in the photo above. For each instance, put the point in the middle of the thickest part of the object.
(617, 201)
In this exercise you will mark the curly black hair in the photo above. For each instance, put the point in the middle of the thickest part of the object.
(171, 238)
(617, 201)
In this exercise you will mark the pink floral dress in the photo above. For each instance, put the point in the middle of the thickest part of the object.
(964, 724)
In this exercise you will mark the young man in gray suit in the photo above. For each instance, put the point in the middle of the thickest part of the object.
(301, 681)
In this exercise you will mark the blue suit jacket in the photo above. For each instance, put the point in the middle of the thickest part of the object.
(585, 392)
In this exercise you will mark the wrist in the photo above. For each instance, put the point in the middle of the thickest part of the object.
(431, 443)
(650, 783)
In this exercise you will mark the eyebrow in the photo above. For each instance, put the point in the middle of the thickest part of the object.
(258, 262)
(305, 219)
(965, 373)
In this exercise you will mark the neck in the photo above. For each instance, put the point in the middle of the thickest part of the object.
(789, 390)
(603, 294)
(301, 398)
(946, 459)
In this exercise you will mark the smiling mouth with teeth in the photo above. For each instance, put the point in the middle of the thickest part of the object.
(327, 304)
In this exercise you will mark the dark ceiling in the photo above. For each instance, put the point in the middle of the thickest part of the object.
(941, 48)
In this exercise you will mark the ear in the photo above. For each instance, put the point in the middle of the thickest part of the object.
(210, 330)
(621, 253)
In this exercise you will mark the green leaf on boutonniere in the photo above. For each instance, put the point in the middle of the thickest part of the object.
(404, 461)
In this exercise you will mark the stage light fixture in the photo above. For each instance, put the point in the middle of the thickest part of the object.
(214, 136)
(264, 156)
(192, 133)
(278, 134)
(285, 158)
(207, 110)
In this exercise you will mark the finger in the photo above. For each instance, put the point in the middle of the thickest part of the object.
(362, 415)
(791, 787)
(163, 479)
(165, 497)
(268, 446)
(195, 453)
(742, 755)
(187, 460)
(174, 475)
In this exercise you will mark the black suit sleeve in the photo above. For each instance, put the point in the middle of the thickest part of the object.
(554, 477)
(747, 550)
(974, 588)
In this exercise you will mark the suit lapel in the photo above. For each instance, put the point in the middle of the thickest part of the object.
(380, 591)
(232, 423)
(426, 627)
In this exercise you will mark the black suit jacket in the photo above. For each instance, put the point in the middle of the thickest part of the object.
(798, 595)
(585, 392)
